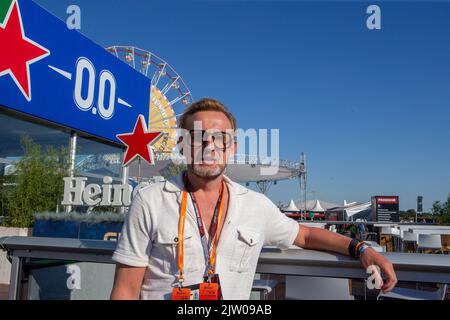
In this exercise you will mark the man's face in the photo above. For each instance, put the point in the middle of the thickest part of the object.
(210, 143)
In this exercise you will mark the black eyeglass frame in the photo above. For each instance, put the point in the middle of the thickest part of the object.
(227, 143)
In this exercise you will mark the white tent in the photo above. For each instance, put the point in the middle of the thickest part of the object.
(349, 204)
(310, 204)
(352, 209)
(292, 207)
(357, 208)
(317, 207)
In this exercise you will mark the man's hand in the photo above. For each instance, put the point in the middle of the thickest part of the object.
(320, 239)
(371, 257)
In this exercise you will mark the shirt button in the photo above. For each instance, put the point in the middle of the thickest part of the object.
(175, 239)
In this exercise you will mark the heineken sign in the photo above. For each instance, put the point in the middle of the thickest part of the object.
(59, 75)
(77, 193)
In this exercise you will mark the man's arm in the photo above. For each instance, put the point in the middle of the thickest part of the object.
(321, 239)
(127, 282)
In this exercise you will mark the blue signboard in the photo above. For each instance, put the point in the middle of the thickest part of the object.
(77, 229)
(57, 74)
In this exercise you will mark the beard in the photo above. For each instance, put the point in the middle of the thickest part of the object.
(207, 164)
(208, 172)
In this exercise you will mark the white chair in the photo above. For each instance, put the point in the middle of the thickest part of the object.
(412, 294)
(429, 241)
(394, 233)
(409, 238)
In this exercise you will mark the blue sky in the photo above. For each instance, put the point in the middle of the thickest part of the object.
(370, 108)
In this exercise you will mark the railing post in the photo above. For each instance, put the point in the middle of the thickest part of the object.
(15, 279)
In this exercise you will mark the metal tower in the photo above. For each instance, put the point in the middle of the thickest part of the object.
(302, 177)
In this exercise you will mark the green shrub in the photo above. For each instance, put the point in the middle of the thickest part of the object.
(37, 184)
(94, 217)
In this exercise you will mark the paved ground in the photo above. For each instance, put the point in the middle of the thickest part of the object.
(4, 291)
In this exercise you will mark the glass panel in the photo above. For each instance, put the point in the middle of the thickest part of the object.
(95, 160)
(12, 129)
(68, 280)
(283, 287)
(78, 280)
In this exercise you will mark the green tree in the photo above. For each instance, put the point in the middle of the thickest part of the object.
(437, 208)
(7, 187)
(37, 184)
(444, 216)
(409, 214)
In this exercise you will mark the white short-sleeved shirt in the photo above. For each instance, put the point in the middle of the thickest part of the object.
(149, 239)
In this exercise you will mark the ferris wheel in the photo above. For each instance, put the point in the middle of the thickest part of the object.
(169, 94)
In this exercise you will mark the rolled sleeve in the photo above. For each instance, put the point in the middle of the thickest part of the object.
(135, 243)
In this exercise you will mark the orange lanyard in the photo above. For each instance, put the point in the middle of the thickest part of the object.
(214, 242)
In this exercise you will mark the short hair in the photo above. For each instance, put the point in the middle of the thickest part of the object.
(206, 104)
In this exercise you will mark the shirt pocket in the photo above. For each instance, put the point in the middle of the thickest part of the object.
(244, 249)
(166, 245)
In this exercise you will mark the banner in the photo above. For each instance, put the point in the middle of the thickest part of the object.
(56, 74)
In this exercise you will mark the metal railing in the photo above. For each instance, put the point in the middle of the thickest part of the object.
(427, 268)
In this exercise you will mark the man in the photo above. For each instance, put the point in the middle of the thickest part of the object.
(202, 228)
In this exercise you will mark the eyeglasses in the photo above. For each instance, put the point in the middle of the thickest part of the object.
(221, 139)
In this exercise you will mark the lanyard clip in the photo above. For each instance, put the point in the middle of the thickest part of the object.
(209, 275)
(180, 280)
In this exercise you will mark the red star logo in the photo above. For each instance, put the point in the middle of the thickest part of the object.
(138, 142)
(18, 52)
